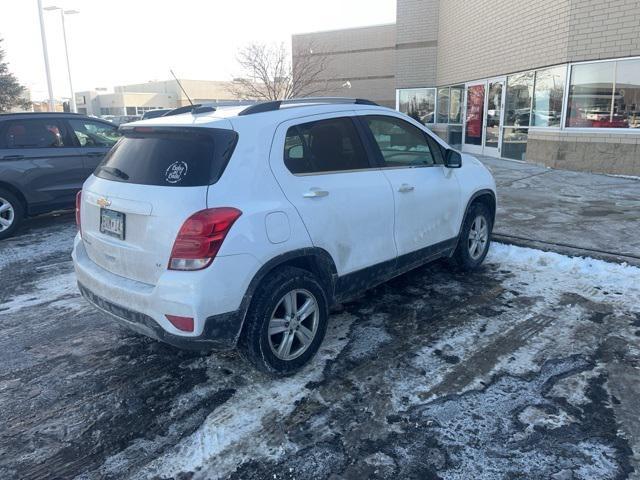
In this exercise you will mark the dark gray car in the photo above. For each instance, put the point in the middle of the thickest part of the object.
(44, 160)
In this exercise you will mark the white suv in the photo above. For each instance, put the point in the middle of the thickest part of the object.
(242, 226)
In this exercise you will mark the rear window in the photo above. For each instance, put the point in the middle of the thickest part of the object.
(185, 157)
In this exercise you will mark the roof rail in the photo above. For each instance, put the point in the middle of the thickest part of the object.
(276, 104)
(194, 109)
(44, 113)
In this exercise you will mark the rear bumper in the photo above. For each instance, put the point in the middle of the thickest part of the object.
(212, 297)
(220, 333)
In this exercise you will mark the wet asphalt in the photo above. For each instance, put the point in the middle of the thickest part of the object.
(520, 370)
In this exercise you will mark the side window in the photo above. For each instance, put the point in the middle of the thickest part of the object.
(436, 149)
(94, 134)
(40, 133)
(401, 144)
(324, 146)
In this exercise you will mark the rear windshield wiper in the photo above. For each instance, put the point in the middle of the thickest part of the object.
(116, 172)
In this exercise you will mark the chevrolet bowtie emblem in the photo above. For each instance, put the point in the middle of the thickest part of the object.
(103, 202)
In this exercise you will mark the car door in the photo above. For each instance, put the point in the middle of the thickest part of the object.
(94, 139)
(344, 201)
(50, 166)
(426, 193)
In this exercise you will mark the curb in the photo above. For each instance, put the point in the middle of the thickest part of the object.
(564, 249)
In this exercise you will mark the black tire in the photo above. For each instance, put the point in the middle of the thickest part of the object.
(462, 258)
(15, 215)
(254, 343)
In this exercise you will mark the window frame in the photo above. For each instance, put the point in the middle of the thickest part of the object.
(364, 141)
(377, 152)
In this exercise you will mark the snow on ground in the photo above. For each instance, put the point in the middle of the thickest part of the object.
(487, 372)
(39, 244)
(241, 430)
(57, 291)
(231, 435)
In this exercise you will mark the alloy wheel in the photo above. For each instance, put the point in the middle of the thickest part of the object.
(7, 214)
(478, 237)
(293, 324)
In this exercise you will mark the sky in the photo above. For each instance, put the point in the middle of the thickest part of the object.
(116, 42)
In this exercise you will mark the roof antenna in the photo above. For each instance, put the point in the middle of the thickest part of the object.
(181, 88)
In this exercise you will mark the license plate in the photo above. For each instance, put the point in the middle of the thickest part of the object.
(112, 223)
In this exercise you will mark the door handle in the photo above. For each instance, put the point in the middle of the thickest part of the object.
(405, 187)
(315, 193)
(95, 154)
(13, 157)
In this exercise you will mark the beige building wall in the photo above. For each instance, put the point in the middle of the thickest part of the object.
(360, 61)
(200, 91)
(485, 38)
(603, 29)
(416, 43)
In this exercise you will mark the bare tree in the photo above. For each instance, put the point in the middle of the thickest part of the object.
(270, 74)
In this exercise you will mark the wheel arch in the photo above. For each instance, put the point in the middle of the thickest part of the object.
(19, 195)
(486, 197)
(313, 259)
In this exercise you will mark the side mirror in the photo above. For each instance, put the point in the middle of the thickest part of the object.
(453, 159)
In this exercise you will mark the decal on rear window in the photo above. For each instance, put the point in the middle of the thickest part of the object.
(176, 172)
(169, 156)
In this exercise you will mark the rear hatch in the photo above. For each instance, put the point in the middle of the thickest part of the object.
(151, 181)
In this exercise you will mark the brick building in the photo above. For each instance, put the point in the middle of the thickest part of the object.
(555, 82)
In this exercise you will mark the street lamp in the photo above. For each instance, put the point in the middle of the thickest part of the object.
(45, 53)
(72, 103)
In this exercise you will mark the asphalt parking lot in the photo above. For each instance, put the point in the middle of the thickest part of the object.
(529, 368)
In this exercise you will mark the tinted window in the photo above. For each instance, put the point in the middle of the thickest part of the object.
(35, 133)
(94, 134)
(324, 146)
(401, 144)
(171, 157)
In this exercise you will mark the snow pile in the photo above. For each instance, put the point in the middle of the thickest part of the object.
(546, 272)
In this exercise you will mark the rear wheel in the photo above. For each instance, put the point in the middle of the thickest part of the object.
(475, 238)
(11, 213)
(286, 321)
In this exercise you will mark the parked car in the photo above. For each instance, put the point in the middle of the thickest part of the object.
(122, 119)
(243, 226)
(155, 113)
(44, 159)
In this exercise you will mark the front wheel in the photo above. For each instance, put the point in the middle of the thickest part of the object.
(11, 213)
(286, 321)
(475, 238)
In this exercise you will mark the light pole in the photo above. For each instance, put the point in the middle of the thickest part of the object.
(46, 55)
(72, 102)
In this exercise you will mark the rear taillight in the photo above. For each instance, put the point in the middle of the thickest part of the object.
(201, 237)
(78, 206)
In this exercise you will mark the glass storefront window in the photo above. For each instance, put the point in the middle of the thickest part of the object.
(626, 107)
(455, 104)
(590, 95)
(443, 105)
(455, 136)
(518, 102)
(514, 143)
(547, 97)
(418, 103)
